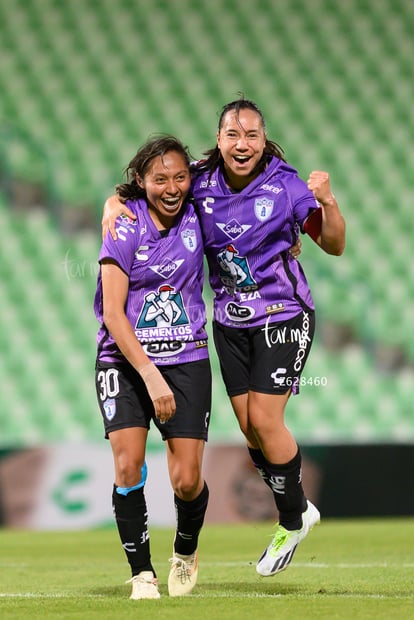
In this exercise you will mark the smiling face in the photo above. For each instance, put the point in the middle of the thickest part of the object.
(241, 140)
(166, 183)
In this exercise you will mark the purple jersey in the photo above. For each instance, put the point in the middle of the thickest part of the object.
(247, 236)
(164, 305)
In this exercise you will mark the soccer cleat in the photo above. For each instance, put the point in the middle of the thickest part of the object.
(183, 574)
(279, 553)
(144, 585)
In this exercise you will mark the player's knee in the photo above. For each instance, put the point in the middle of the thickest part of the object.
(186, 486)
(131, 473)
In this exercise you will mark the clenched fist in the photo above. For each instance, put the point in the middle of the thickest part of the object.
(318, 183)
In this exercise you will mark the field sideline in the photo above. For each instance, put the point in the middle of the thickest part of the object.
(344, 569)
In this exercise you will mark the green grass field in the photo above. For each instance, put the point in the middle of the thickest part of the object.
(343, 569)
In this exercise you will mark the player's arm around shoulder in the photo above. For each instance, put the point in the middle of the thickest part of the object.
(331, 237)
(113, 208)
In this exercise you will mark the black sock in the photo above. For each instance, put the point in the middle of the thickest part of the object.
(132, 520)
(190, 519)
(286, 483)
(260, 463)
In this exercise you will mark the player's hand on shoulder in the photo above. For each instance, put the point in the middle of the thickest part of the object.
(113, 208)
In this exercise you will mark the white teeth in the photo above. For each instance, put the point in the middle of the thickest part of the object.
(170, 204)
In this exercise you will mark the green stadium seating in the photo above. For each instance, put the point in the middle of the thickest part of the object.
(84, 83)
(48, 347)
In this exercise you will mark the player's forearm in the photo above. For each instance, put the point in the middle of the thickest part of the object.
(158, 389)
(332, 238)
(123, 334)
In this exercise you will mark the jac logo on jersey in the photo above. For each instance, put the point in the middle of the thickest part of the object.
(239, 313)
(163, 349)
(263, 208)
(189, 239)
(233, 229)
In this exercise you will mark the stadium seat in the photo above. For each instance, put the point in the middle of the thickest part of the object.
(83, 84)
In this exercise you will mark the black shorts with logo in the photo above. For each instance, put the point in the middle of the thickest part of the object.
(124, 401)
(268, 359)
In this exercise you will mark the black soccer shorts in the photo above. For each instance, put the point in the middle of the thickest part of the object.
(124, 401)
(268, 359)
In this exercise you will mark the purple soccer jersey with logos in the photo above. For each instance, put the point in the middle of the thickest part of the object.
(165, 305)
(247, 236)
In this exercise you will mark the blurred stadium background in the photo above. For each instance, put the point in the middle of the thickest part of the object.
(84, 83)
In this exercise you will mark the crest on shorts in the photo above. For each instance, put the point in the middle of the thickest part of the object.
(263, 208)
(109, 408)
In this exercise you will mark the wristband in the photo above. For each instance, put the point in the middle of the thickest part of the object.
(154, 381)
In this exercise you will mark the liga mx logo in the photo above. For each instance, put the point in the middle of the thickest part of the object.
(263, 208)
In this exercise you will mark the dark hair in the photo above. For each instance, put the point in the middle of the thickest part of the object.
(157, 146)
(214, 157)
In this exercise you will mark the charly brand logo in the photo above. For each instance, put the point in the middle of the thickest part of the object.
(279, 376)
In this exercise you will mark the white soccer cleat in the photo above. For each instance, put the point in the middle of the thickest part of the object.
(183, 574)
(279, 553)
(144, 585)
